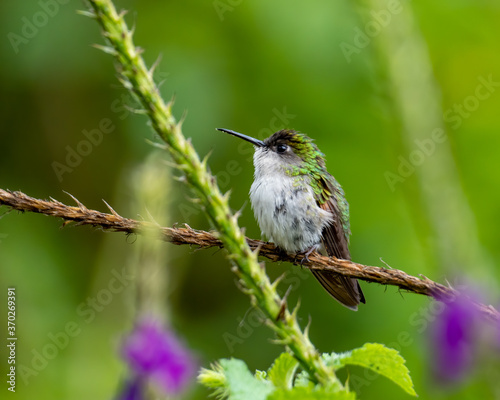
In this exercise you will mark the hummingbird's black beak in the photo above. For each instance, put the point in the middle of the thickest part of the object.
(255, 142)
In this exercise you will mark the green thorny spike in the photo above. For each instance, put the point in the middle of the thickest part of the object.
(313, 165)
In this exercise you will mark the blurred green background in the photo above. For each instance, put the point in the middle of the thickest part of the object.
(251, 66)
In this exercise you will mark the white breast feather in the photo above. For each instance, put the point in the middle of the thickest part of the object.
(284, 207)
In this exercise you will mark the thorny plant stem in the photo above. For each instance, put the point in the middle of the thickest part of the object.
(138, 79)
(81, 215)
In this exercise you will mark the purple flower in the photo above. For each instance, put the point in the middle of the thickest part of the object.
(155, 353)
(133, 390)
(454, 338)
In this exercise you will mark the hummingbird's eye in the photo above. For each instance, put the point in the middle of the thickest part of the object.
(281, 148)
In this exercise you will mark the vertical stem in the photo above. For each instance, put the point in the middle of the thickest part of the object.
(139, 80)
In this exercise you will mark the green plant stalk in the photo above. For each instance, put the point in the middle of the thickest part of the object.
(150, 184)
(139, 80)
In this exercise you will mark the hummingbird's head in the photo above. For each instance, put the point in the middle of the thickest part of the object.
(287, 150)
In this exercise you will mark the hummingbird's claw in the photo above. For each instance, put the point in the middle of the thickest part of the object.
(307, 253)
(304, 259)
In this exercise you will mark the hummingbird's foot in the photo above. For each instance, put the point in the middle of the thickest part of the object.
(307, 253)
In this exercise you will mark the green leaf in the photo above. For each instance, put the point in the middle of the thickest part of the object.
(303, 379)
(241, 384)
(260, 375)
(377, 357)
(311, 393)
(282, 372)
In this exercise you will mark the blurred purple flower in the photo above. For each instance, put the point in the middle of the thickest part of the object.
(153, 352)
(497, 331)
(133, 390)
(454, 339)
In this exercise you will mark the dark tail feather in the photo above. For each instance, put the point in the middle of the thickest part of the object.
(345, 290)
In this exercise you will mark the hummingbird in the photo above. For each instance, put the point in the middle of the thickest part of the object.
(300, 207)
